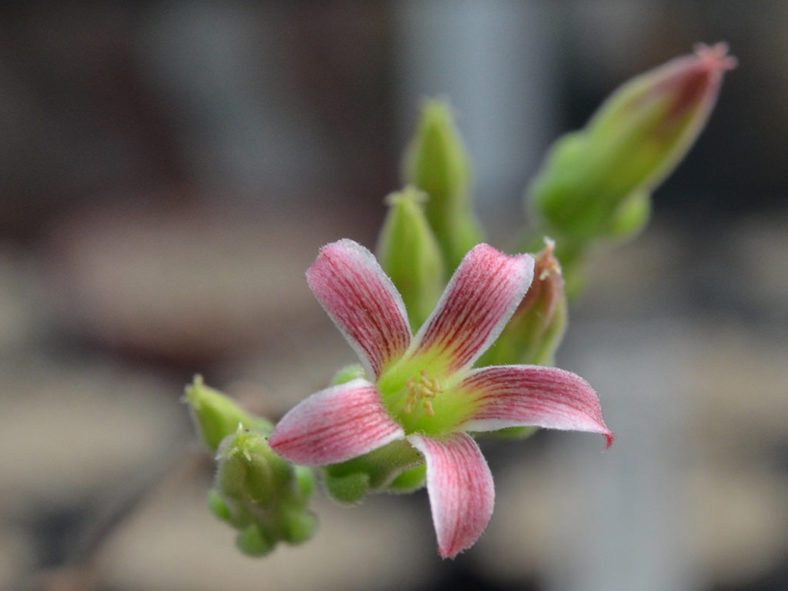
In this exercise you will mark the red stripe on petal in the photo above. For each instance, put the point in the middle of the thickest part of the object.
(461, 490)
(478, 302)
(362, 301)
(520, 395)
(335, 425)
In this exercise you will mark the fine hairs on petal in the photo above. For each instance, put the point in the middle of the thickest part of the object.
(461, 490)
(532, 395)
(334, 425)
(480, 299)
(362, 301)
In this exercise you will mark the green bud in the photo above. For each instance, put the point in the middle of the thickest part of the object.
(349, 489)
(218, 507)
(216, 416)
(537, 326)
(410, 255)
(260, 494)
(409, 480)
(298, 526)
(596, 182)
(253, 542)
(436, 162)
(349, 482)
(347, 374)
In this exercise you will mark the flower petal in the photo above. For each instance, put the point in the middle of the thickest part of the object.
(335, 425)
(519, 395)
(460, 487)
(362, 301)
(478, 302)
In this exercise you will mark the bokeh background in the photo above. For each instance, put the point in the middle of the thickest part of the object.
(168, 171)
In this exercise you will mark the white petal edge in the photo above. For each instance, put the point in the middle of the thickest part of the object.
(362, 302)
(335, 425)
(460, 487)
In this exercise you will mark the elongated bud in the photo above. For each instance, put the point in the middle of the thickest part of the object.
(537, 326)
(216, 416)
(597, 181)
(436, 162)
(260, 494)
(410, 255)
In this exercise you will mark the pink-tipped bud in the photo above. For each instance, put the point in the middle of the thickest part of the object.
(633, 142)
(691, 83)
(537, 326)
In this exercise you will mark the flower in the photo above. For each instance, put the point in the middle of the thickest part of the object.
(422, 389)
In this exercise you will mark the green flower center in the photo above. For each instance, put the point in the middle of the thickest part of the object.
(423, 400)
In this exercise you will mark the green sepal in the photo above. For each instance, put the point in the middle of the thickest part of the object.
(410, 255)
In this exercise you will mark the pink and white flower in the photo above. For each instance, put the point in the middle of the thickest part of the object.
(423, 389)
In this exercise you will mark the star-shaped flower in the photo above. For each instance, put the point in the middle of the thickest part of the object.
(423, 389)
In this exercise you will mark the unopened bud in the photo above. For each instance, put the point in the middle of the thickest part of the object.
(260, 494)
(537, 326)
(436, 162)
(631, 144)
(348, 374)
(349, 482)
(216, 416)
(410, 255)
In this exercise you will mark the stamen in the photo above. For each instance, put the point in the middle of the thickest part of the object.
(421, 389)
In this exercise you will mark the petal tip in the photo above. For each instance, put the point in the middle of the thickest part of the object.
(609, 437)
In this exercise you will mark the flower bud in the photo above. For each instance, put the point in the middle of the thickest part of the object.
(597, 181)
(436, 162)
(216, 416)
(410, 255)
(537, 326)
(409, 480)
(348, 373)
(349, 482)
(260, 494)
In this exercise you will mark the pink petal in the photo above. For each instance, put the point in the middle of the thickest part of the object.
(335, 425)
(362, 301)
(461, 490)
(478, 302)
(518, 395)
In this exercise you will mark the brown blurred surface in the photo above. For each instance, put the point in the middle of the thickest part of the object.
(168, 171)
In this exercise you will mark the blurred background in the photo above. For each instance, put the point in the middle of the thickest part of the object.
(168, 170)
